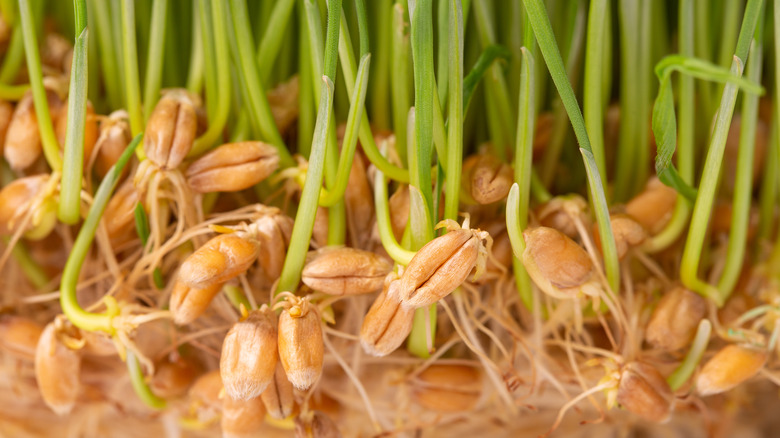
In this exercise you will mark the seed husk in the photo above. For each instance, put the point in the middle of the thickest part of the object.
(399, 210)
(249, 354)
(241, 418)
(171, 129)
(345, 271)
(188, 303)
(491, 180)
(673, 323)
(173, 378)
(387, 322)
(222, 258)
(557, 264)
(438, 268)
(278, 396)
(447, 388)
(113, 139)
(119, 217)
(232, 167)
(730, 366)
(644, 391)
(557, 213)
(628, 234)
(359, 203)
(16, 198)
(654, 206)
(57, 368)
(273, 232)
(23, 139)
(315, 424)
(19, 336)
(204, 396)
(301, 348)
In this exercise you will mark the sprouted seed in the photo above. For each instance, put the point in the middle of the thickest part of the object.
(389, 218)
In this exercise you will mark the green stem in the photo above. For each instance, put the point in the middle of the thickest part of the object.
(273, 37)
(709, 180)
(72, 169)
(154, 62)
(260, 111)
(520, 194)
(14, 56)
(397, 252)
(692, 359)
(685, 134)
(544, 35)
(400, 79)
(209, 58)
(195, 70)
(743, 185)
(13, 92)
(140, 386)
(455, 110)
(130, 63)
(218, 121)
(70, 275)
(50, 146)
(592, 92)
(335, 194)
(306, 93)
(380, 68)
(307, 208)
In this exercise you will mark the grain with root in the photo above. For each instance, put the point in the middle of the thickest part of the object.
(6, 111)
(387, 323)
(273, 231)
(171, 129)
(232, 167)
(241, 418)
(301, 348)
(674, 320)
(57, 367)
(278, 397)
(23, 139)
(644, 391)
(249, 354)
(732, 365)
(345, 271)
(17, 198)
(315, 424)
(187, 303)
(557, 264)
(112, 140)
(173, 378)
(653, 207)
(222, 258)
(490, 180)
(628, 234)
(19, 336)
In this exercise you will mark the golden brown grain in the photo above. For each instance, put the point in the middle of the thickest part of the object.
(232, 167)
(301, 348)
(249, 354)
(345, 271)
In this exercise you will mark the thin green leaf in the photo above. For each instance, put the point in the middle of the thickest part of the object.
(491, 53)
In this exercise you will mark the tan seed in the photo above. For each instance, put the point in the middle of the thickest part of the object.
(112, 141)
(729, 367)
(387, 323)
(320, 231)
(278, 396)
(674, 321)
(172, 379)
(447, 388)
(491, 180)
(628, 234)
(19, 336)
(439, 267)
(119, 217)
(57, 369)
(171, 129)
(242, 418)
(399, 211)
(345, 271)
(187, 303)
(644, 391)
(301, 347)
(16, 198)
(219, 260)
(23, 139)
(359, 203)
(233, 167)
(555, 262)
(543, 132)
(273, 232)
(654, 206)
(562, 212)
(55, 51)
(204, 396)
(249, 354)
